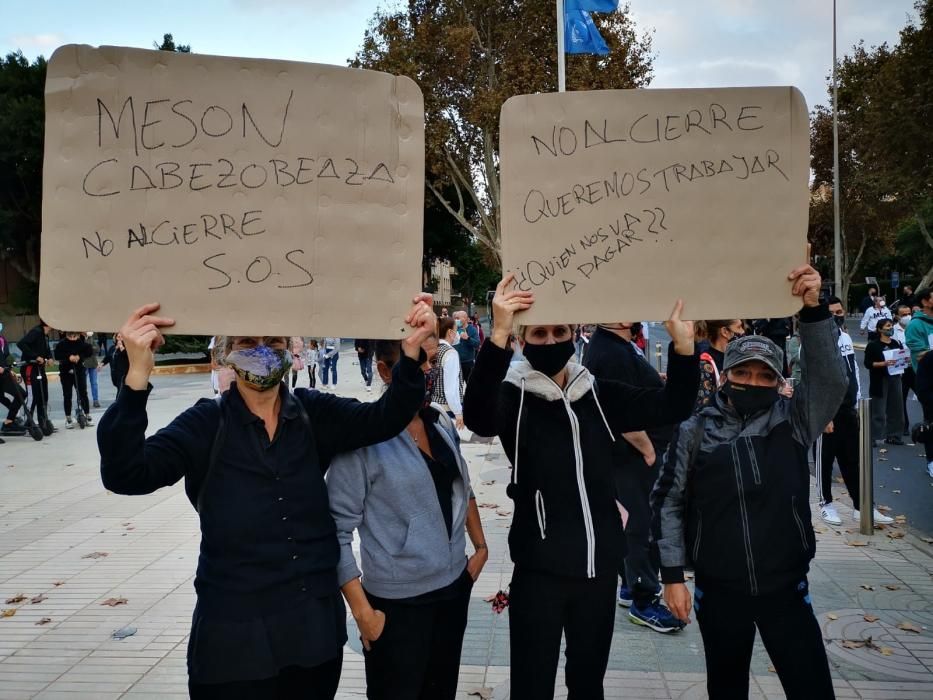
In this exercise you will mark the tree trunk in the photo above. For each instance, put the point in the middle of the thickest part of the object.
(851, 268)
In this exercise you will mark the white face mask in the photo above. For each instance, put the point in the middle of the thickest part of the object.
(882, 303)
(903, 321)
(455, 340)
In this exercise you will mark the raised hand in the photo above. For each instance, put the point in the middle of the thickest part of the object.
(806, 284)
(505, 304)
(423, 323)
(142, 336)
(680, 331)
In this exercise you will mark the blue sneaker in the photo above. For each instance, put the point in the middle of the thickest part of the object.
(655, 616)
(625, 597)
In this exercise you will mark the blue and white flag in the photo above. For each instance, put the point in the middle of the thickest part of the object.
(592, 5)
(581, 34)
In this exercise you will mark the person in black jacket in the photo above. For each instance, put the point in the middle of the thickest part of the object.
(35, 354)
(884, 388)
(733, 500)
(612, 354)
(269, 620)
(557, 424)
(9, 393)
(70, 352)
(119, 364)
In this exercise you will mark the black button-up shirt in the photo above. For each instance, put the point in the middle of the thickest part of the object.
(266, 580)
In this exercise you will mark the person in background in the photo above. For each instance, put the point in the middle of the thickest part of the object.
(908, 379)
(839, 441)
(296, 346)
(613, 355)
(330, 354)
(733, 500)
(474, 320)
(70, 352)
(119, 363)
(884, 388)
(468, 343)
(444, 313)
(216, 349)
(919, 333)
(9, 392)
(92, 364)
(410, 497)
(365, 349)
(639, 337)
(35, 354)
(907, 296)
(448, 379)
(717, 335)
(873, 314)
(777, 331)
(924, 389)
(868, 301)
(312, 352)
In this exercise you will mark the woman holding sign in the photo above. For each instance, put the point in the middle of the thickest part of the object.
(557, 424)
(884, 388)
(269, 620)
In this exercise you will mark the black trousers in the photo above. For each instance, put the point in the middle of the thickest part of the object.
(466, 368)
(842, 446)
(908, 380)
(76, 379)
(639, 569)
(417, 656)
(8, 388)
(292, 683)
(788, 629)
(541, 607)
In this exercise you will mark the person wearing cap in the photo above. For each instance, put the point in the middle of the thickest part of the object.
(732, 500)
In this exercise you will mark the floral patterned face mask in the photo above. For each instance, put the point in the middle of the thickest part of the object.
(260, 367)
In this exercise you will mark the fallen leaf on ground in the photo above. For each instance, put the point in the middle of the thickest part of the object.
(882, 459)
(131, 528)
(482, 693)
(44, 621)
(867, 587)
(895, 490)
(125, 524)
(15, 599)
(488, 505)
(884, 509)
(895, 534)
(886, 651)
(883, 451)
(909, 627)
(900, 519)
(503, 512)
(114, 602)
(38, 599)
(94, 555)
(892, 586)
(852, 643)
(832, 616)
(871, 618)
(58, 583)
(771, 669)
(897, 469)
(8, 612)
(857, 543)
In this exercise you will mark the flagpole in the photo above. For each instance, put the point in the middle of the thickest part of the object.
(837, 234)
(561, 70)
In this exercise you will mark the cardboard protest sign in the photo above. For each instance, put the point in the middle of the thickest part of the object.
(247, 196)
(615, 203)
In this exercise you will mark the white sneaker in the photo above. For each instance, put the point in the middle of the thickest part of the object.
(829, 514)
(369, 389)
(879, 517)
(68, 423)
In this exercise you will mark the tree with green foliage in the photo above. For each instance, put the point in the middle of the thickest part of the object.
(469, 58)
(168, 44)
(22, 125)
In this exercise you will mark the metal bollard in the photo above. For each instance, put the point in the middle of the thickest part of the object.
(865, 470)
(657, 355)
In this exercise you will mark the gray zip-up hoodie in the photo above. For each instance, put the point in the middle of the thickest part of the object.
(732, 496)
(385, 491)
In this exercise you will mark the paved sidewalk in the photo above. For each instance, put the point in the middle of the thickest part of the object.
(66, 540)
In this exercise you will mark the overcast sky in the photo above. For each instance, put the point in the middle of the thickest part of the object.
(714, 43)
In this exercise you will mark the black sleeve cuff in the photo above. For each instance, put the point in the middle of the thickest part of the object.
(672, 574)
(131, 399)
(813, 314)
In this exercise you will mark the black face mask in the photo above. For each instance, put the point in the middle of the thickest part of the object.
(748, 399)
(549, 359)
(735, 336)
(840, 321)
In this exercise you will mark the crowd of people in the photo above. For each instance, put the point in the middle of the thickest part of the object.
(622, 478)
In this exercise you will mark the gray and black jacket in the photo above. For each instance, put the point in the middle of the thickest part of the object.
(733, 495)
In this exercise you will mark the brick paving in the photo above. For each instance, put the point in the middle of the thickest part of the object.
(54, 513)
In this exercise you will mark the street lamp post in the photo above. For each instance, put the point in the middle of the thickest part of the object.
(837, 235)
